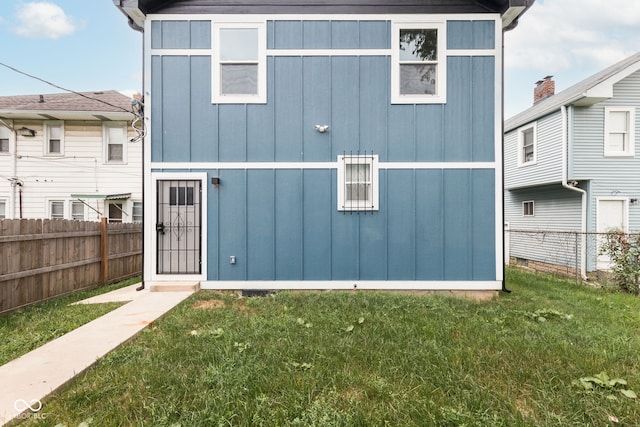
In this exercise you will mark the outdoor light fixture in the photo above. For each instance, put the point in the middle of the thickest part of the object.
(215, 181)
(23, 131)
(322, 128)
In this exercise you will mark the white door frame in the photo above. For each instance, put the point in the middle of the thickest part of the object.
(152, 236)
(603, 261)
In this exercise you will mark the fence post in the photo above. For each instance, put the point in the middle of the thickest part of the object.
(104, 251)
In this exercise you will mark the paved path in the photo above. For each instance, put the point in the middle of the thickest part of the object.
(27, 380)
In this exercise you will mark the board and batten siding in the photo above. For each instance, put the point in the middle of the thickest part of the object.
(548, 145)
(281, 223)
(611, 176)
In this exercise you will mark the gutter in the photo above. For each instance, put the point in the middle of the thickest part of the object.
(572, 187)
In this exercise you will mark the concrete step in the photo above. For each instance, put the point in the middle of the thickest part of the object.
(174, 287)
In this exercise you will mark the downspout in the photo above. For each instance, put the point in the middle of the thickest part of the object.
(583, 193)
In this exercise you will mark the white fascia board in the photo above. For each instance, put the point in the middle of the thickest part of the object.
(511, 15)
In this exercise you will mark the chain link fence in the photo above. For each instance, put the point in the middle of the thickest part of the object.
(566, 253)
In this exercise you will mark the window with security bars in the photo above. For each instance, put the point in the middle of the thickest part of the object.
(358, 182)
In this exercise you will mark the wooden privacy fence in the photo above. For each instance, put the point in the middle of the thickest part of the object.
(43, 258)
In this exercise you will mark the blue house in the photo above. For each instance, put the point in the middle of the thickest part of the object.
(324, 144)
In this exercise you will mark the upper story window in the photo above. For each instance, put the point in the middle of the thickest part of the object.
(114, 137)
(527, 150)
(418, 74)
(5, 135)
(239, 63)
(53, 138)
(358, 183)
(619, 135)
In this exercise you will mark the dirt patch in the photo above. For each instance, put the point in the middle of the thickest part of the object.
(209, 304)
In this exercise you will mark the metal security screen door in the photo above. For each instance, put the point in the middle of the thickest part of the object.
(178, 227)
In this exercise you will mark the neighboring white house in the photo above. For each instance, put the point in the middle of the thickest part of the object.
(70, 156)
(572, 163)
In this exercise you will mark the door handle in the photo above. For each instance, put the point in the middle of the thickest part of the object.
(160, 228)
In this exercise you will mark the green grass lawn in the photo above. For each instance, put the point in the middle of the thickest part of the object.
(370, 359)
(28, 328)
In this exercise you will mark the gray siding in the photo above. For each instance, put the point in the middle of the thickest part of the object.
(611, 176)
(548, 166)
(555, 209)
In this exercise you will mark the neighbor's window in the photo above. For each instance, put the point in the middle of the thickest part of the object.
(114, 137)
(418, 63)
(115, 212)
(3, 209)
(527, 208)
(5, 134)
(619, 135)
(136, 212)
(239, 69)
(527, 145)
(54, 138)
(358, 183)
(56, 209)
(77, 211)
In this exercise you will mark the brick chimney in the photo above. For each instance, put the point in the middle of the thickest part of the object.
(544, 89)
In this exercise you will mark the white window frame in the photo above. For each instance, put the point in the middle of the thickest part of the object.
(121, 208)
(533, 127)
(360, 205)
(6, 133)
(261, 96)
(134, 216)
(48, 124)
(73, 203)
(630, 149)
(440, 97)
(524, 208)
(3, 211)
(50, 208)
(105, 142)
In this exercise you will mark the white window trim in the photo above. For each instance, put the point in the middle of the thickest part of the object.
(10, 135)
(533, 208)
(105, 142)
(133, 203)
(48, 124)
(631, 149)
(84, 210)
(261, 96)
(440, 97)
(363, 206)
(6, 207)
(521, 131)
(50, 203)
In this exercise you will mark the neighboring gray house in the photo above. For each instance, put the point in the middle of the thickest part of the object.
(571, 163)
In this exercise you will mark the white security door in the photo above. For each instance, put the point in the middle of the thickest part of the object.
(178, 227)
(611, 216)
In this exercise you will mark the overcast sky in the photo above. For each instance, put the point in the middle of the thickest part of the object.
(86, 45)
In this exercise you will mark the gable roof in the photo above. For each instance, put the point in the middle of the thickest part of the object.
(589, 91)
(103, 105)
(136, 10)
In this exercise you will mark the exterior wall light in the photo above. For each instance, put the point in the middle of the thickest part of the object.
(23, 131)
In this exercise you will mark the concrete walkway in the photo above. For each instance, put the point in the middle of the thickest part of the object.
(27, 380)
